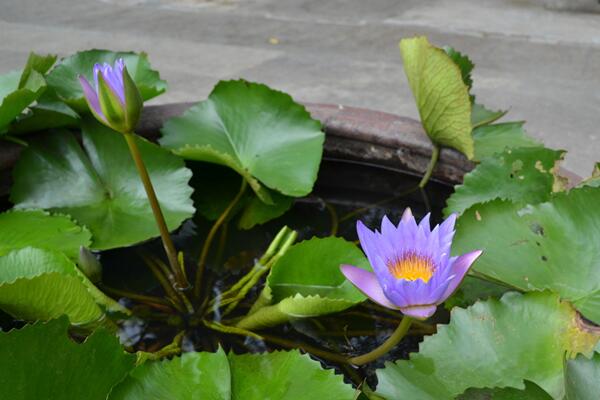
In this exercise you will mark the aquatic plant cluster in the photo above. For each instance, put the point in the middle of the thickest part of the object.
(500, 299)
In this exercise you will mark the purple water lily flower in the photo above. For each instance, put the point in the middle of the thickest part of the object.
(413, 269)
(114, 100)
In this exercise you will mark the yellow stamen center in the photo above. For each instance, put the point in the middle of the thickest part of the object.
(412, 267)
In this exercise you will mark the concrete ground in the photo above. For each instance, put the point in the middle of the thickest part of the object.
(542, 63)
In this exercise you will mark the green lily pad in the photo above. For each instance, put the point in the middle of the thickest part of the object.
(43, 284)
(497, 343)
(261, 133)
(552, 245)
(481, 116)
(49, 112)
(99, 186)
(473, 289)
(284, 375)
(531, 392)
(442, 97)
(523, 176)
(257, 213)
(64, 77)
(307, 282)
(18, 90)
(40, 361)
(37, 228)
(496, 138)
(582, 377)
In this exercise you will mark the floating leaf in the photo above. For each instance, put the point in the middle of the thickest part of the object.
(552, 245)
(497, 343)
(43, 284)
(40, 361)
(99, 185)
(582, 378)
(259, 132)
(307, 282)
(284, 375)
(19, 89)
(256, 212)
(441, 95)
(481, 116)
(531, 392)
(49, 112)
(492, 139)
(473, 289)
(523, 176)
(37, 228)
(64, 77)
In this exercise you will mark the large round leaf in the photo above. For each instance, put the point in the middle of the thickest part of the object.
(553, 245)
(284, 375)
(492, 344)
(442, 97)
(583, 378)
(259, 132)
(64, 77)
(99, 186)
(524, 176)
(37, 228)
(41, 362)
(43, 284)
(492, 139)
(307, 282)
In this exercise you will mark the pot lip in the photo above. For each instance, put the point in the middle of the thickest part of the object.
(352, 133)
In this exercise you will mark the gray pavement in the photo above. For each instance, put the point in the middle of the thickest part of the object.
(533, 56)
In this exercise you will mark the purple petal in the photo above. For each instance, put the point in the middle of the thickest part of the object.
(367, 283)
(91, 96)
(407, 215)
(460, 267)
(419, 312)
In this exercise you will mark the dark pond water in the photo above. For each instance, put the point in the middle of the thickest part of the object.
(342, 188)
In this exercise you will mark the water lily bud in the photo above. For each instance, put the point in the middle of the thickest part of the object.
(115, 100)
(89, 265)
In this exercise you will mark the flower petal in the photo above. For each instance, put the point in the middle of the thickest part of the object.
(419, 312)
(91, 96)
(367, 283)
(460, 267)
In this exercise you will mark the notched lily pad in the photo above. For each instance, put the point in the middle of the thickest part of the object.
(63, 79)
(526, 336)
(38, 284)
(523, 176)
(284, 375)
(37, 228)
(261, 133)
(99, 186)
(545, 246)
(307, 282)
(40, 361)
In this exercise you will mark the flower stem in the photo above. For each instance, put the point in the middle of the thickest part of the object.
(211, 236)
(386, 346)
(435, 155)
(158, 215)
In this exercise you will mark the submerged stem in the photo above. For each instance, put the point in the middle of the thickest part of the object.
(211, 236)
(158, 215)
(386, 346)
